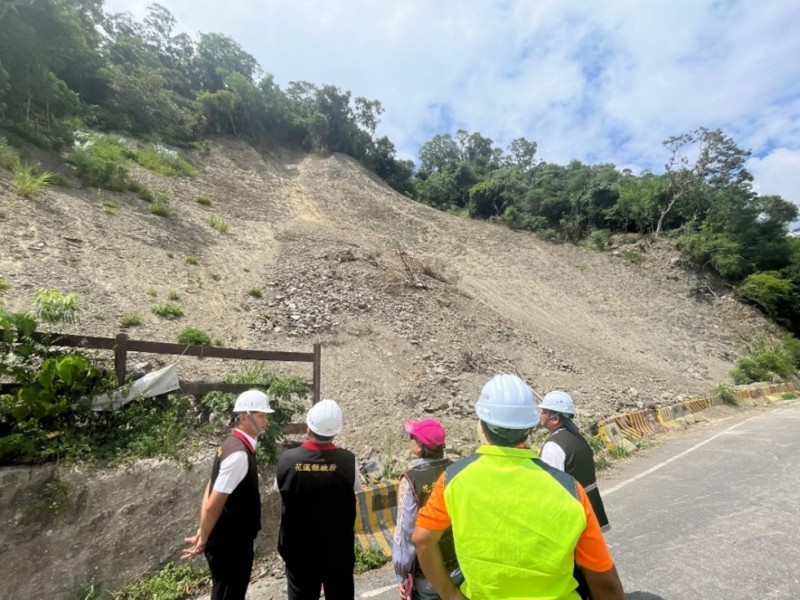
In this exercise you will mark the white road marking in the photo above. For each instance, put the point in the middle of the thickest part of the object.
(622, 484)
(377, 592)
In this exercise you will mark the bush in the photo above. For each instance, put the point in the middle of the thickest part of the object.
(368, 559)
(51, 387)
(173, 295)
(535, 223)
(204, 200)
(160, 209)
(28, 181)
(512, 217)
(130, 320)
(168, 311)
(548, 235)
(165, 161)
(4, 285)
(726, 394)
(146, 194)
(791, 346)
(51, 306)
(600, 239)
(101, 161)
(59, 180)
(766, 289)
(618, 452)
(218, 223)
(195, 337)
(763, 364)
(191, 260)
(255, 292)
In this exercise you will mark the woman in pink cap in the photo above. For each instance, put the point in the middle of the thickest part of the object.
(427, 447)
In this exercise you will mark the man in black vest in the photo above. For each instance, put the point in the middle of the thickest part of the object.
(230, 512)
(567, 450)
(317, 482)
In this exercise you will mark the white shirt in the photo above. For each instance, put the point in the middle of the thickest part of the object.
(553, 455)
(233, 468)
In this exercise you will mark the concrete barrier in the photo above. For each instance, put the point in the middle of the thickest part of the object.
(613, 436)
(376, 516)
(620, 430)
(696, 405)
(761, 393)
(666, 417)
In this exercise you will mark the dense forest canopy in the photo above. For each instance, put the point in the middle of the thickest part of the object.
(67, 66)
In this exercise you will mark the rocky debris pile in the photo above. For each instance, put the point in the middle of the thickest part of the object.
(309, 293)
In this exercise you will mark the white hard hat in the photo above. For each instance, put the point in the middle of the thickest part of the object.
(325, 418)
(507, 401)
(252, 401)
(560, 402)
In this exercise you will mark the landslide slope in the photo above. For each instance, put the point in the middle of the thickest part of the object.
(415, 308)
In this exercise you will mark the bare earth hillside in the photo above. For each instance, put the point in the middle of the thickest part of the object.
(415, 308)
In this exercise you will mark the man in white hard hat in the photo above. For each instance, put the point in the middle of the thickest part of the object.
(519, 525)
(230, 512)
(317, 482)
(567, 450)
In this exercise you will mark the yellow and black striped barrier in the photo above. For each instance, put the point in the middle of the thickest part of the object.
(620, 430)
(376, 516)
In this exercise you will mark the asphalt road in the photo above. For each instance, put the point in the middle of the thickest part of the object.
(711, 513)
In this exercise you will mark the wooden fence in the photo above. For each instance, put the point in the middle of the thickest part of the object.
(122, 344)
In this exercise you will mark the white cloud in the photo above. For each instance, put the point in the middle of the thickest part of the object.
(778, 173)
(598, 81)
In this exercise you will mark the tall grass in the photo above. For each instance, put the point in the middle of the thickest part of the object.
(28, 181)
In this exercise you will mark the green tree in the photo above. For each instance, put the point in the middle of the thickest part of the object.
(636, 208)
(439, 154)
(719, 163)
(522, 154)
(216, 57)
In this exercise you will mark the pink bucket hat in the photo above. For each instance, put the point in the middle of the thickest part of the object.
(429, 432)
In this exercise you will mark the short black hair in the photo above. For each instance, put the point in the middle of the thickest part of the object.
(320, 438)
(503, 436)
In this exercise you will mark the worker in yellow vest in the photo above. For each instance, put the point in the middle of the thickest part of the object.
(519, 525)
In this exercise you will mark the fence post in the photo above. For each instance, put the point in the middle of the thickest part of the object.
(121, 357)
(317, 370)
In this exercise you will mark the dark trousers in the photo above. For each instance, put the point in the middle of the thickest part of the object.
(230, 567)
(304, 582)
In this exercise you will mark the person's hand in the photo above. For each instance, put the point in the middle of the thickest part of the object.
(406, 586)
(196, 546)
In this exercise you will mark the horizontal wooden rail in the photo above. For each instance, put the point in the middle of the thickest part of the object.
(121, 345)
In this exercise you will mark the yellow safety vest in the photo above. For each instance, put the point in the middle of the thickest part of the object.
(515, 526)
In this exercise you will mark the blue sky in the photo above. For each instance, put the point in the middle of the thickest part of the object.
(600, 81)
